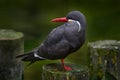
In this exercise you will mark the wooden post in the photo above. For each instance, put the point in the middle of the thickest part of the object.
(104, 60)
(11, 44)
(55, 71)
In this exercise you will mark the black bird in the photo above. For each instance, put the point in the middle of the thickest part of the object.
(62, 41)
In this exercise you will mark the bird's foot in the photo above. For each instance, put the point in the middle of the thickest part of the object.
(67, 68)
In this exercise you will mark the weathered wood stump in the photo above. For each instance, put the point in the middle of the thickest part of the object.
(55, 71)
(11, 44)
(104, 60)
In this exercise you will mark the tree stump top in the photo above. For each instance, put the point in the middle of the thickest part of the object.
(10, 34)
(56, 67)
(105, 44)
(55, 71)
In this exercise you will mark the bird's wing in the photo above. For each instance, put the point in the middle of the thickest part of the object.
(54, 37)
(70, 29)
(55, 46)
(61, 41)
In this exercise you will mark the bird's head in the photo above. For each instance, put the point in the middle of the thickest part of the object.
(72, 16)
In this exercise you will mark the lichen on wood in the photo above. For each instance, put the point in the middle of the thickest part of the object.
(55, 71)
(9, 34)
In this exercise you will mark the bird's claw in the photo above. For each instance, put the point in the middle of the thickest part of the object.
(67, 68)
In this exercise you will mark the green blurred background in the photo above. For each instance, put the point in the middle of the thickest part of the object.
(32, 17)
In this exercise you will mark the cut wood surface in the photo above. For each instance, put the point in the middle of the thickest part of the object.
(55, 71)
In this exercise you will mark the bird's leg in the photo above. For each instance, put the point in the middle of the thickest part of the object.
(67, 68)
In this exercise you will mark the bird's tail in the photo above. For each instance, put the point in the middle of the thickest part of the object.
(29, 57)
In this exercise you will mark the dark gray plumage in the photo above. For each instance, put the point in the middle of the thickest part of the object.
(62, 41)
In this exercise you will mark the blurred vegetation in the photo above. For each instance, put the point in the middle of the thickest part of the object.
(32, 17)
